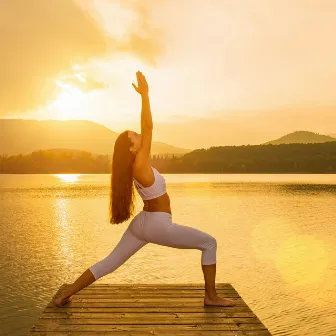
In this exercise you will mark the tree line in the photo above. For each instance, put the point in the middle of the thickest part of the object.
(284, 158)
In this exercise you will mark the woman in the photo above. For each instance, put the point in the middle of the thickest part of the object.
(154, 223)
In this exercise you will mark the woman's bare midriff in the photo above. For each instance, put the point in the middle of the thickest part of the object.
(159, 204)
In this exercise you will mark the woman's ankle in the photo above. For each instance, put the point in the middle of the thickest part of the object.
(67, 290)
(210, 292)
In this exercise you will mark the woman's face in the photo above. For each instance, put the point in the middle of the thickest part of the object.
(136, 141)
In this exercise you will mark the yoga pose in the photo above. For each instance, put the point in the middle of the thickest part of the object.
(130, 165)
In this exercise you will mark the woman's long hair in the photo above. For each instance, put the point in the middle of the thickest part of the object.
(122, 196)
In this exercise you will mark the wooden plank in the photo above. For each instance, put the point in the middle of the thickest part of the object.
(141, 315)
(236, 311)
(180, 284)
(147, 291)
(154, 299)
(144, 320)
(263, 332)
(157, 295)
(150, 304)
(144, 333)
(158, 286)
(70, 308)
(148, 309)
(128, 327)
(150, 289)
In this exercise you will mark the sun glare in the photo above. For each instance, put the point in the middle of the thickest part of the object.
(302, 260)
(69, 103)
(68, 177)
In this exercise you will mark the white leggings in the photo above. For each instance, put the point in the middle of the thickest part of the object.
(158, 228)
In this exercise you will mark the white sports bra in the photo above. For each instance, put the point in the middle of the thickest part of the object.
(157, 189)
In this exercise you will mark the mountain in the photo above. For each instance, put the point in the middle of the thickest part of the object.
(19, 136)
(301, 137)
(236, 127)
(333, 135)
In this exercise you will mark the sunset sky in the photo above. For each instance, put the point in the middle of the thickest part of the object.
(241, 61)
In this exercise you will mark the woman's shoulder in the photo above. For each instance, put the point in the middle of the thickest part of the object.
(144, 175)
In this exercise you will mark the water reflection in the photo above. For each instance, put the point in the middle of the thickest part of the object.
(68, 177)
(64, 230)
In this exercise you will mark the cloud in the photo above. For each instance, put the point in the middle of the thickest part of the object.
(80, 80)
(39, 39)
(146, 41)
(43, 40)
(133, 26)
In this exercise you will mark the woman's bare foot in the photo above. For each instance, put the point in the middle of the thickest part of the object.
(218, 301)
(61, 301)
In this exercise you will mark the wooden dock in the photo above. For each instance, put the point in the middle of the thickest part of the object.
(148, 309)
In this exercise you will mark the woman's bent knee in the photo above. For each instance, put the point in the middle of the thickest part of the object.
(209, 251)
(100, 269)
(95, 272)
(211, 242)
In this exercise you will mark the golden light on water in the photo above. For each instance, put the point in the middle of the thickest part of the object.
(302, 260)
(268, 235)
(68, 177)
(61, 206)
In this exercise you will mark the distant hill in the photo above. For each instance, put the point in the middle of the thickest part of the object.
(301, 137)
(19, 136)
(236, 127)
(333, 135)
(285, 158)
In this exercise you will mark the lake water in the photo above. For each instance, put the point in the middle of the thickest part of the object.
(276, 240)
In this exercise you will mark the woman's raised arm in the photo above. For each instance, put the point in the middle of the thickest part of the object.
(146, 115)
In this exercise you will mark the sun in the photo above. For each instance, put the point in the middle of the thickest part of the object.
(70, 103)
(75, 87)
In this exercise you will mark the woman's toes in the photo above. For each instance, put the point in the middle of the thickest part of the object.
(59, 302)
(219, 302)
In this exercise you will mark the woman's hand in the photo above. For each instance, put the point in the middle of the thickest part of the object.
(142, 84)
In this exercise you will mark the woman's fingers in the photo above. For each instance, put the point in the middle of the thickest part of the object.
(138, 74)
(141, 78)
(136, 89)
(142, 83)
